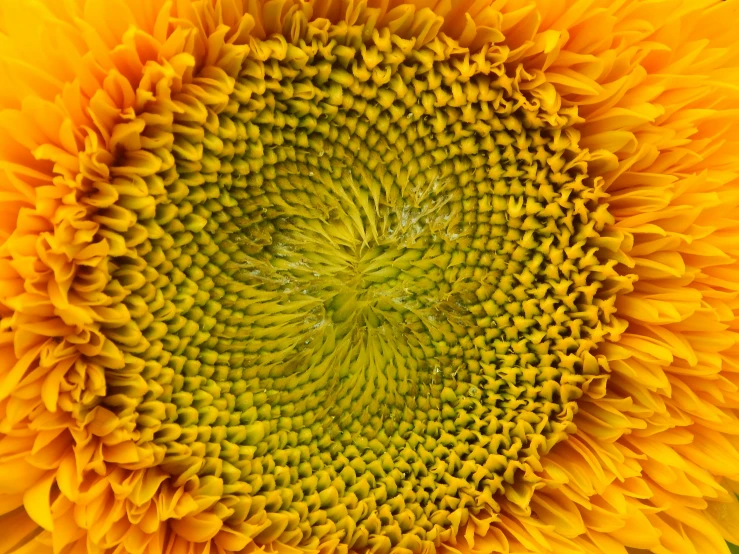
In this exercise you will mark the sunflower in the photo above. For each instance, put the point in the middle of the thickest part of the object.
(387, 277)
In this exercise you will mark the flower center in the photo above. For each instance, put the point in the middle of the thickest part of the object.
(372, 289)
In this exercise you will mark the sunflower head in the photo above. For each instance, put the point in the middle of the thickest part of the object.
(364, 277)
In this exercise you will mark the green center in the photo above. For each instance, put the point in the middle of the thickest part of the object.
(369, 291)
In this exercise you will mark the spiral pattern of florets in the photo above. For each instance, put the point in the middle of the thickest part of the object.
(363, 286)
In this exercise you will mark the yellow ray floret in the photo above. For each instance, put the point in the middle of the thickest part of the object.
(381, 277)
